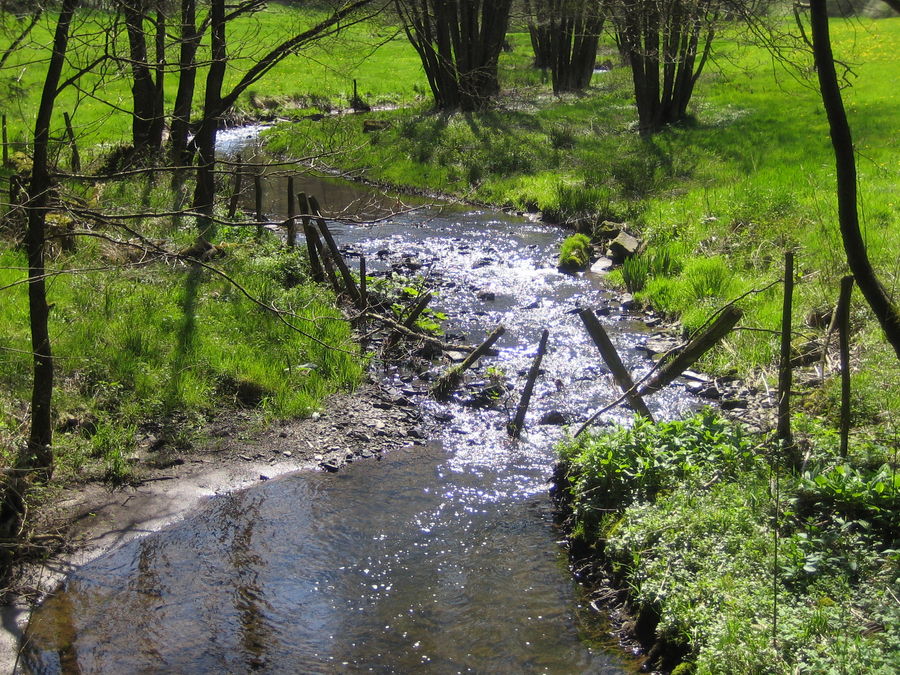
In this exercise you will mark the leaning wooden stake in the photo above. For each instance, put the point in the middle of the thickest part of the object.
(312, 239)
(325, 259)
(424, 299)
(611, 357)
(515, 427)
(70, 135)
(336, 257)
(450, 380)
(236, 191)
(292, 213)
(785, 375)
(842, 314)
(693, 351)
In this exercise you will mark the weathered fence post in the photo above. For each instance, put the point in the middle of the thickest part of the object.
(842, 315)
(335, 251)
(785, 375)
(70, 134)
(611, 357)
(236, 192)
(312, 239)
(291, 212)
(363, 285)
(518, 423)
(258, 196)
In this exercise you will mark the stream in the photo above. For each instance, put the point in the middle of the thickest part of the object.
(440, 558)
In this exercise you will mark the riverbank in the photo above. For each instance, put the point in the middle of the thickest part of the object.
(711, 555)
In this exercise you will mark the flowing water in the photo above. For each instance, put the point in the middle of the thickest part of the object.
(440, 558)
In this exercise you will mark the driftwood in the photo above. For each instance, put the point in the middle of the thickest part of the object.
(515, 427)
(693, 351)
(611, 357)
(336, 257)
(842, 315)
(450, 380)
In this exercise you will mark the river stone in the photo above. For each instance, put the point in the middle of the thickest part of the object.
(554, 417)
(628, 302)
(608, 230)
(486, 295)
(602, 266)
(623, 246)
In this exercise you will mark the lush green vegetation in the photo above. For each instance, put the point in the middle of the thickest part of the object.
(718, 200)
(708, 534)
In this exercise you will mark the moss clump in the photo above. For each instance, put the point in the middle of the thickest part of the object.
(575, 252)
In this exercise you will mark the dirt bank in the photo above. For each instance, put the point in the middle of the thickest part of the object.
(85, 520)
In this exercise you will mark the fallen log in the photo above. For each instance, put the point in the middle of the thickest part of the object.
(450, 380)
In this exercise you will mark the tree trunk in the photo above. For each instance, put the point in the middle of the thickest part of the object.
(146, 126)
(187, 77)
(875, 294)
(38, 455)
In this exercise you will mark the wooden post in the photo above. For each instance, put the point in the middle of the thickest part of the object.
(325, 258)
(335, 251)
(236, 192)
(420, 306)
(843, 321)
(516, 426)
(70, 134)
(5, 142)
(312, 239)
(363, 285)
(611, 357)
(292, 213)
(258, 196)
(693, 351)
(449, 381)
(785, 375)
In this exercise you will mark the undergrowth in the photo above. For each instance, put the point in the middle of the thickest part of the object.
(754, 568)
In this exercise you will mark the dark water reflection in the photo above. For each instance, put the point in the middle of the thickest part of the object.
(440, 558)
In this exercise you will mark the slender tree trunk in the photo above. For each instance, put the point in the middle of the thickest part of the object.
(875, 294)
(187, 77)
(37, 457)
(143, 89)
(205, 139)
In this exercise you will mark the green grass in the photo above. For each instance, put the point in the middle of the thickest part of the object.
(684, 514)
(165, 343)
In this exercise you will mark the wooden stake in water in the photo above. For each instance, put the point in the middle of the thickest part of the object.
(611, 357)
(516, 426)
(258, 194)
